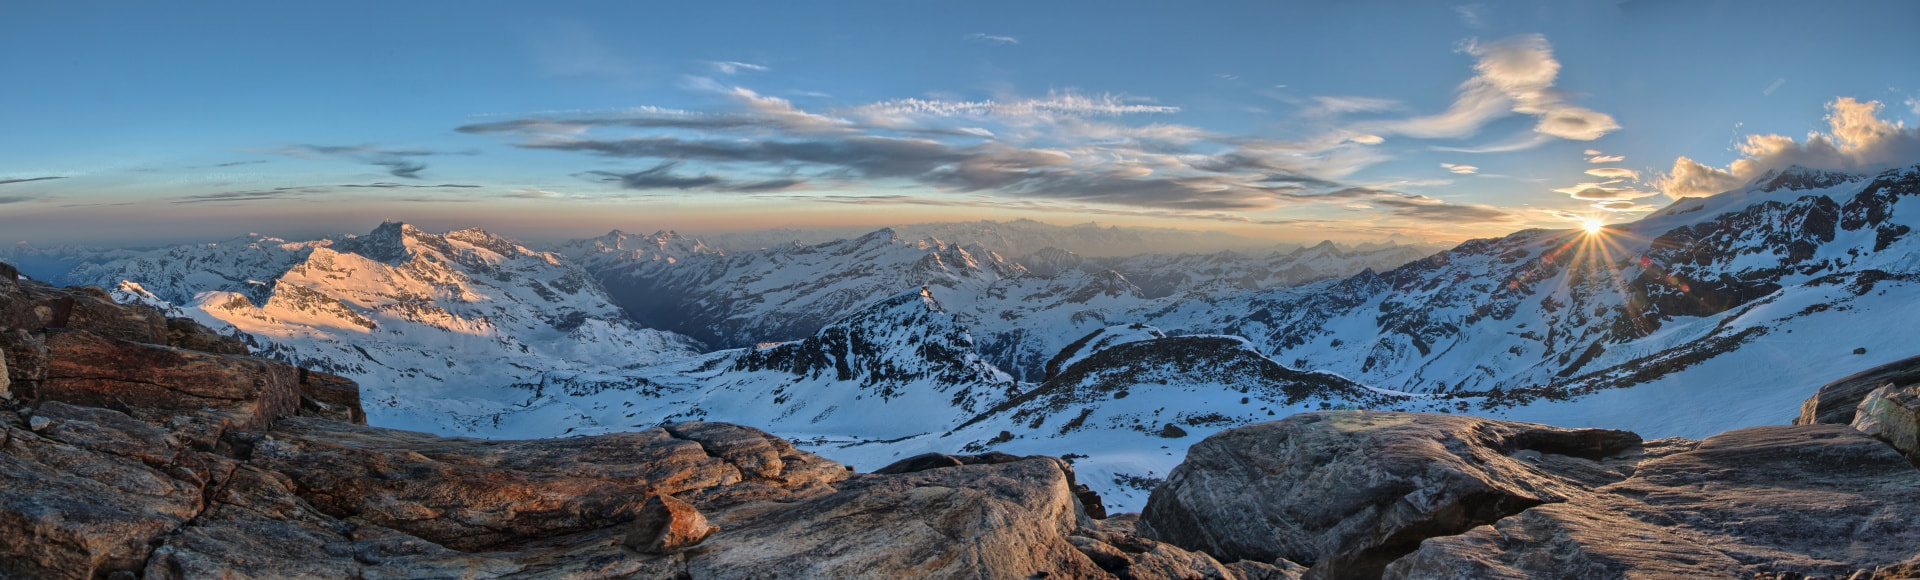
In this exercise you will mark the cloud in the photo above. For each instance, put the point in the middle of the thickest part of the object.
(1606, 190)
(1473, 15)
(1614, 173)
(1512, 75)
(1621, 205)
(15, 199)
(1461, 168)
(391, 185)
(1592, 152)
(533, 193)
(662, 177)
(731, 67)
(1441, 212)
(1773, 86)
(1519, 142)
(1054, 106)
(398, 162)
(27, 179)
(277, 193)
(1857, 139)
(1606, 159)
(997, 40)
(1064, 146)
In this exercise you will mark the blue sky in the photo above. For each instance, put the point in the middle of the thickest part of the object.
(1288, 120)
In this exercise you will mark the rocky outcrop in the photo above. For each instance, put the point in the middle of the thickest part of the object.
(1366, 494)
(1835, 402)
(1349, 492)
(1892, 414)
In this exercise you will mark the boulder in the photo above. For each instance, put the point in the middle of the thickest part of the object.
(1835, 402)
(330, 396)
(667, 526)
(1565, 541)
(471, 494)
(1772, 502)
(33, 307)
(91, 369)
(188, 334)
(1813, 500)
(1892, 414)
(26, 357)
(1007, 520)
(1347, 492)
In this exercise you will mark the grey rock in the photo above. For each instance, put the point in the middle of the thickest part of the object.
(1347, 492)
(1008, 520)
(1892, 414)
(1835, 402)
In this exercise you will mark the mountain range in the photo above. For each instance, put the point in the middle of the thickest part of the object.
(1709, 315)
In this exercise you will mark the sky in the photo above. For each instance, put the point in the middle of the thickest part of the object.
(145, 122)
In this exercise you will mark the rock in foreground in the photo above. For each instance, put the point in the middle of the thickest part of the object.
(1406, 495)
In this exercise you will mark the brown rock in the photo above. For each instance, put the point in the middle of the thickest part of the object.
(26, 357)
(33, 307)
(667, 526)
(330, 396)
(1892, 414)
(470, 494)
(188, 334)
(1835, 402)
(89, 369)
(69, 511)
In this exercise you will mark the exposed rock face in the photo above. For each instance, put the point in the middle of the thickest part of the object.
(1892, 414)
(1349, 492)
(92, 369)
(1473, 498)
(667, 526)
(1835, 402)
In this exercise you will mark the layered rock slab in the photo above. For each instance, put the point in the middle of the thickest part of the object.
(1346, 493)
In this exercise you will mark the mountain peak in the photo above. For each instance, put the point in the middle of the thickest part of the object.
(1799, 177)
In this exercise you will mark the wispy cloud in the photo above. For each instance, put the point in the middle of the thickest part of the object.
(1064, 148)
(398, 162)
(1473, 15)
(15, 199)
(732, 67)
(27, 179)
(1461, 168)
(662, 176)
(1613, 173)
(1606, 159)
(1512, 75)
(1773, 86)
(993, 39)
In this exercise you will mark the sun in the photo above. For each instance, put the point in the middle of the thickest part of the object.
(1592, 225)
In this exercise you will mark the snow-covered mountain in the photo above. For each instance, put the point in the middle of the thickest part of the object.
(1712, 314)
(1021, 310)
(428, 323)
(1014, 237)
(1728, 308)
